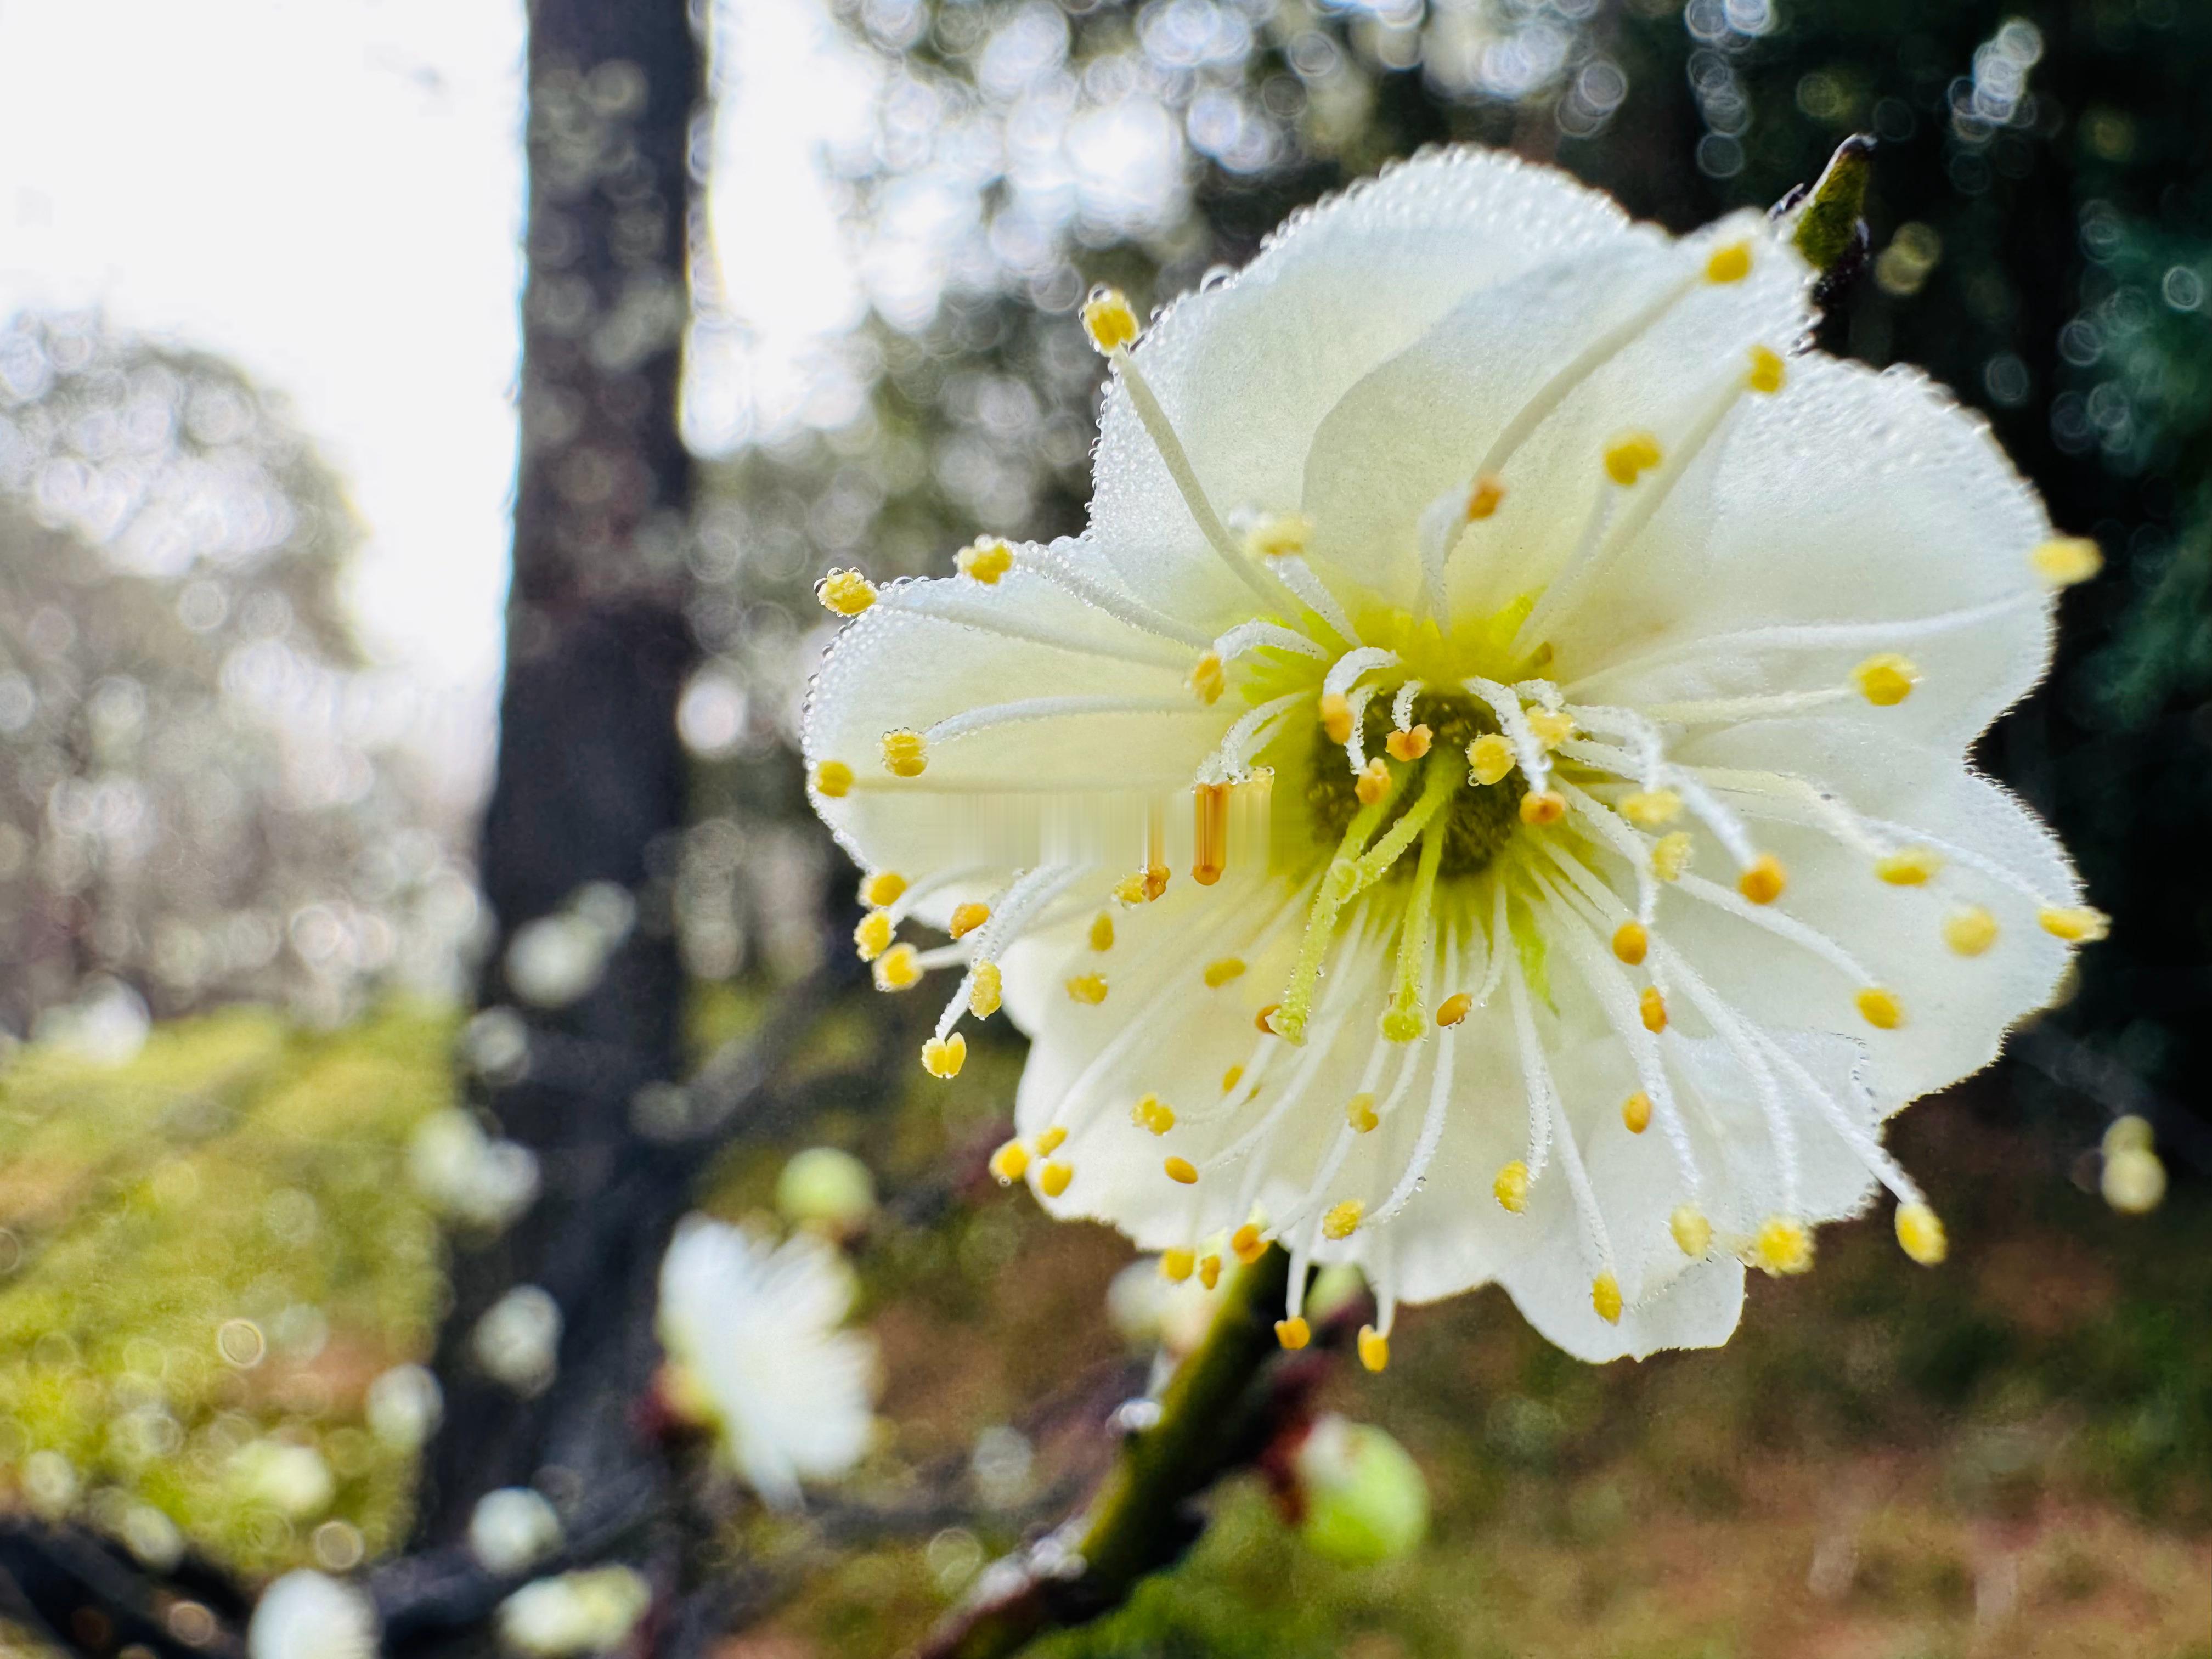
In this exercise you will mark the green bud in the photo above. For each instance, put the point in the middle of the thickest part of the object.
(1830, 229)
(2134, 1180)
(2130, 1133)
(824, 1187)
(1333, 1289)
(1366, 1500)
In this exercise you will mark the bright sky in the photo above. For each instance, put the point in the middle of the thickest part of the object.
(329, 192)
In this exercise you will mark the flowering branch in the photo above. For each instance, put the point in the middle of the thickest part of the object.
(1219, 1413)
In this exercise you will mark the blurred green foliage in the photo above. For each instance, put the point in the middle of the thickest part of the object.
(210, 1249)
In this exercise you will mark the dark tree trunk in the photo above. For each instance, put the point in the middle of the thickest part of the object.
(590, 781)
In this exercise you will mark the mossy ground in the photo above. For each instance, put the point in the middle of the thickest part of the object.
(2011, 1454)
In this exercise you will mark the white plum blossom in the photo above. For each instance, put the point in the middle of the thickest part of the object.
(512, 1528)
(1487, 799)
(754, 1352)
(309, 1615)
(594, 1611)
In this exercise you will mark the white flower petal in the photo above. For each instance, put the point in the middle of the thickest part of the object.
(1850, 497)
(1956, 1009)
(753, 1327)
(907, 664)
(1425, 422)
(1248, 368)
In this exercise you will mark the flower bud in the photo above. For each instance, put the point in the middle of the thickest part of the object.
(1365, 1499)
(826, 1188)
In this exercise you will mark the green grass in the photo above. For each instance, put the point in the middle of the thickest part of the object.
(240, 1186)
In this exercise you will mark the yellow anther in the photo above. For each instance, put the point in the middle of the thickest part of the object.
(873, 936)
(1278, 535)
(2077, 924)
(1152, 1113)
(1360, 1113)
(1482, 501)
(1886, 679)
(1909, 866)
(985, 560)
(1970, 932)
(2067, 561)
(1454, 1008)
(897, 968)
(1785, 1246)
(944, 1057)
(1763, 882)
(1731, 264)
(967, 918)
(985, 988)
(1670, 855)
(1053, 1178)
(1263, 1020)
(1209, 1271)
(1693, 1234)
(882, 888)
(1490, 758)
(905, 754)
(1881, 1009)
(1009, 1163)
(1051, 1141)
(1631, 941)
(1647, 808)
(1232, 1077)
(1636, 1112)
(1551, 729)
(1511, 1186)
(1605, 1298)
(1336, 717)
(1088, 988)
(1542, 806)
(1293, 1333)
(1102, 932)
(1408, 746)
(1920, 1234)
(1209, 833)
(1767, 372)
(1651, 1008)
(1343, 1220)
(1372, 783)
(848, 593)
(1209, 679)
(1130, 890)
(1218, 972)
(832, 779)
(1175, 1265)
(1630, 456)
(1246, 1244)
(1374, 1348)
(1181, 1172)
(1108, 318)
